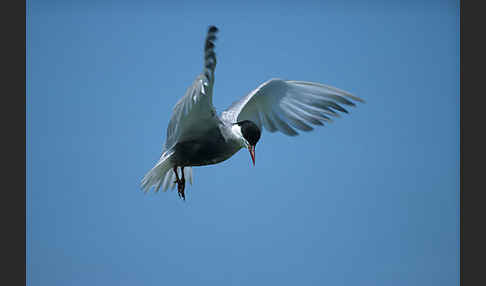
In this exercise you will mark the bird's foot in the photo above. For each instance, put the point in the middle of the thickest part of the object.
(181, 185)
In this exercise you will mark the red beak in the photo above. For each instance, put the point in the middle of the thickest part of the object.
(252, 153)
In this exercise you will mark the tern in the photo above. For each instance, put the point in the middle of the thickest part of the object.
(198, 136)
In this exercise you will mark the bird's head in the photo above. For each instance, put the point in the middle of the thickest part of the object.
(249, 134)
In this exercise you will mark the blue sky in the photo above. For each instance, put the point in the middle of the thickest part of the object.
(371, 199)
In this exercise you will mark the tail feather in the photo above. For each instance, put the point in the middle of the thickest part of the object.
(169, 181)
(161, 175)
(188, 173)
(156, 175)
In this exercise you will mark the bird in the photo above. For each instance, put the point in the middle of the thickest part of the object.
(198, 136)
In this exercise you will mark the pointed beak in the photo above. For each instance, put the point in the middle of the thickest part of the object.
(252, 153)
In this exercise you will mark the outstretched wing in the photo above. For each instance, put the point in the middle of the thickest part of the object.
(194, 113)
(282, 105)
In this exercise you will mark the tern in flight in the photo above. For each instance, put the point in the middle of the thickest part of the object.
(198, 136)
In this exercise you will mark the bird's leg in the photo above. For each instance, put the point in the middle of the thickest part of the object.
(177, 176)
(181, 187)
(181, 183)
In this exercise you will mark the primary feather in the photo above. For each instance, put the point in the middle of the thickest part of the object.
(286, 105)
(196, 105)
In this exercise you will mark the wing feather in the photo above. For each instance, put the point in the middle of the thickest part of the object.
(294, 119)
(286, 105)
(197, 103)
(267, 122)
(283, 126)
(303, 114)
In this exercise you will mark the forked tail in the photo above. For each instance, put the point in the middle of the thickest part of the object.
(161, 175)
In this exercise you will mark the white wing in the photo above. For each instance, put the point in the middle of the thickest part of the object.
(282, 105)
(196, 106)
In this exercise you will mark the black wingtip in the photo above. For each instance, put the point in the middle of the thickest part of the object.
(209, 54)
(213, 29)
(209, 45)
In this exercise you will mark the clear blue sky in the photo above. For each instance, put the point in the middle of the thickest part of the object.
(371, 199)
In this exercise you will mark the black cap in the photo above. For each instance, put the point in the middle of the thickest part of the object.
(250, 131)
